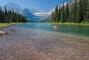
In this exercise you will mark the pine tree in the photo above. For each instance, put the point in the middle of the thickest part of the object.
(88, 11)
(53, 16)
(0, 14)
(10, 16)
(56, 14)
(81, 13)
(67, 12)
(85, 9)
(63, 14)
(59, 14)
(76, 11)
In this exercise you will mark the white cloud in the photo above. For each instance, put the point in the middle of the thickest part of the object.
(41, 14)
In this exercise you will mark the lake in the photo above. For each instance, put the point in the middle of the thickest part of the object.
(80, 30)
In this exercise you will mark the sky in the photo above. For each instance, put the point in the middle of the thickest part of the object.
(43, 5)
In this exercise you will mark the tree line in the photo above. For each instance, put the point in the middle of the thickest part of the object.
(9, 16)
(76, 11)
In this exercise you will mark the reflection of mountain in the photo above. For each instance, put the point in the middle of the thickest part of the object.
(31, 14)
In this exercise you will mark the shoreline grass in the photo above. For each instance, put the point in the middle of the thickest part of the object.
(5, 24)
(69, 23)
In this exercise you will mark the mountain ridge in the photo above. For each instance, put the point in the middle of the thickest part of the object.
(29, 13)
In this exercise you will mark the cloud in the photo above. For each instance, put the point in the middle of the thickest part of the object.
(41, 14)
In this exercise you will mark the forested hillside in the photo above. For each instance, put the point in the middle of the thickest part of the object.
(10, 16)
(76, 11)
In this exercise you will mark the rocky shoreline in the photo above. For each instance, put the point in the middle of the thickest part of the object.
(40, 45)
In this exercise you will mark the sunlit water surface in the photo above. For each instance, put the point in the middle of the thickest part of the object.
(80, 30)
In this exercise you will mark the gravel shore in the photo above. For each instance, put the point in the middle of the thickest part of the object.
(41, 45)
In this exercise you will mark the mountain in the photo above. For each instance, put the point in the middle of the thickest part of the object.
(34, 10)
(31, 14)
(27, 13)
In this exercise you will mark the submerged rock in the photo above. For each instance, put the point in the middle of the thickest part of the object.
(2, 32)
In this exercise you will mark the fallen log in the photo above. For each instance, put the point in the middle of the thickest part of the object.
(2, 33)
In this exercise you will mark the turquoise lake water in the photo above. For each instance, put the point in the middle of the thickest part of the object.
(80, 30)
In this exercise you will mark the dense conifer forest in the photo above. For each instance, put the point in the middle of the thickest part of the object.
(76, 11)
(10, 16)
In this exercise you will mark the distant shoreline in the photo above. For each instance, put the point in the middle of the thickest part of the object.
(66, 23)
(69, 23)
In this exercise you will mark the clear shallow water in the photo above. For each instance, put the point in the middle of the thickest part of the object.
(80, 30)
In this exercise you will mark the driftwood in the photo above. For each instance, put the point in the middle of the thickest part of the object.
(3, 33)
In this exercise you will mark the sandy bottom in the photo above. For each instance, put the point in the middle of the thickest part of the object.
(41, 45)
